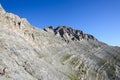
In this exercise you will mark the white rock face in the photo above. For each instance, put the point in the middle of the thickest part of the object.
(29, 53)
(2, 11)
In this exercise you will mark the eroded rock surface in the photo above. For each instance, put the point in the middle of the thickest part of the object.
(69, 34)
(62, 53)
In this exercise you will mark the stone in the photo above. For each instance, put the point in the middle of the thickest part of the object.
(63, 53)
(49, 29)
(2, 11)
(69, 34)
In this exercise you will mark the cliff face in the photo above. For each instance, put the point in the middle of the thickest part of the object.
(62, 53)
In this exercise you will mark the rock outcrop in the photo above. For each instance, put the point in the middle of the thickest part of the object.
(2, 11)
(63, 53)
(69, 34)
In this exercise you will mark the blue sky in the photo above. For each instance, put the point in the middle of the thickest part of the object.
(100, 18)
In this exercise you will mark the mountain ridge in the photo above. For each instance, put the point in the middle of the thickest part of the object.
(63, 53)
(67, 33)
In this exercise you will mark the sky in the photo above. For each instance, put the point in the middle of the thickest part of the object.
(101, 18)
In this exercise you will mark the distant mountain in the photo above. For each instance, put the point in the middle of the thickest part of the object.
(62, 53)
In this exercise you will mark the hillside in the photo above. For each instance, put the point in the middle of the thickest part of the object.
(61, 53)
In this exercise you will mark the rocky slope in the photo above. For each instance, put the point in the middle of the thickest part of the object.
(62, 53)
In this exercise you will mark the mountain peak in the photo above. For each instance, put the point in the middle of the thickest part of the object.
(2, 11)
(70, 34)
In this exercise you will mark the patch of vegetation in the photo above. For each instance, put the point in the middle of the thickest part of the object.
(29, 70)
(110, 70)
(65, 58)
(70, 76)
(102, 62)
(81, 66)
(81, 70)
(16, 71)
(8, 76)
(74, 61)
(79, 73)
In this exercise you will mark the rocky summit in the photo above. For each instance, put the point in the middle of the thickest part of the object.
(69, 34)
(62, 53)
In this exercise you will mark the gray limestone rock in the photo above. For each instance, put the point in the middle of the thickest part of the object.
(69, 34)
(2, 11)
(29, 53)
